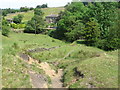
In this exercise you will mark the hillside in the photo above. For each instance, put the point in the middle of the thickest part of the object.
(28, 15)
(82, 66)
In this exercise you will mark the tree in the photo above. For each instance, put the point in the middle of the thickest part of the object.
(31, 8)
(17, 19)
(42, 6)
(70, 22)
(112, 41)
(24, 9)
(104, 13)
(95, 22)
(36, 24)
(5, 27)
(8, 10)
(91, 31)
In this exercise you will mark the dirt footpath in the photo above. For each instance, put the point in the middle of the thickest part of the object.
(55, 77)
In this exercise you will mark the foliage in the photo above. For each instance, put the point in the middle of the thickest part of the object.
(17, 26)
(17, 19)
(42, 6)
(5, 30)
(36, 24)
(91, 32)
(31, 8)
(8, 11)
(89, 21)
(24, 9)
(5, 27)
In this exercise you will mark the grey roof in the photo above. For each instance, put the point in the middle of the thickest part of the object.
(9, 19)
(52, 15)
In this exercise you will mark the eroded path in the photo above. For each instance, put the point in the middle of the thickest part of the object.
(39, 80)
(55, 77)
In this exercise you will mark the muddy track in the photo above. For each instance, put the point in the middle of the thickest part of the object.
(39, 80)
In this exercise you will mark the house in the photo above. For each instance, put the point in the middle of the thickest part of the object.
(51, 18)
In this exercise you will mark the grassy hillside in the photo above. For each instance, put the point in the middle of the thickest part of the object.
(97, 68)
(14, 67)
(28, 15)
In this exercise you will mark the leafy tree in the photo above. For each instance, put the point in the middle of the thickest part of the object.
(36, 24)
(5, 30)
(8, 10)
(112, 41)
(17, 19)
(24, 9)
(42, 6)
(5, 27)
(31, 8)
(70, 23)
(95, 22)
(91, 31)
(103, 12)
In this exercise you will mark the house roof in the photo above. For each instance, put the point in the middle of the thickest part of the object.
(52, 15)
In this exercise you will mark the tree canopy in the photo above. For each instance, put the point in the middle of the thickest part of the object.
(36, 24)
(17, 19)
(93, 22)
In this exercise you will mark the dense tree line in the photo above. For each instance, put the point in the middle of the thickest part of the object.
(8, 10)
(22, 9)
(25, 9)
(96, 23)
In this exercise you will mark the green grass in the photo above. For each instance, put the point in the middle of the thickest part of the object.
(28, 15)
(102, 72)
(100, 68)
(14, 67)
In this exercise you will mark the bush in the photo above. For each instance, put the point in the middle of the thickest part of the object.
(17, 26)
(21, 25)
(17, 19)
(13, 25)
(5, 30)
(15, 46)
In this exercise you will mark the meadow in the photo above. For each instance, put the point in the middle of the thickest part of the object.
(98, 68)
(28, 15)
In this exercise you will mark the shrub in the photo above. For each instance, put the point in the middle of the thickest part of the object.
(18, 18)
(15, 46)
(17, 26)
(5, 30)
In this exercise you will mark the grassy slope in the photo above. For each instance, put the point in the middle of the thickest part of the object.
(28, 15)
(100, 71)
(14, 70)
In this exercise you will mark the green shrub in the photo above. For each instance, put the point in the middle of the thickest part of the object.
(13, 25)
(18, 18)
(21, 25)
(15, 46)
(5, 30)
(17, 26)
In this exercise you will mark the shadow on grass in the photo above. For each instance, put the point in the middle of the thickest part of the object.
(81, 42)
